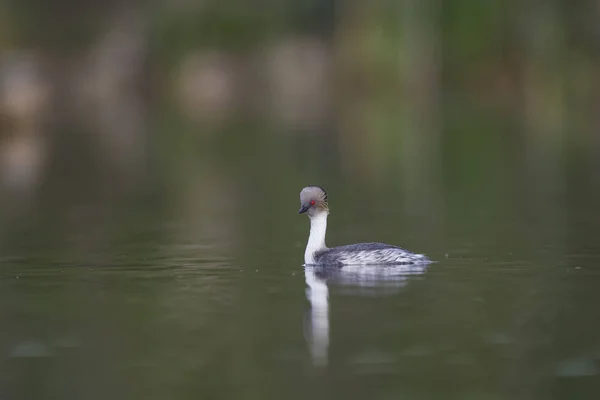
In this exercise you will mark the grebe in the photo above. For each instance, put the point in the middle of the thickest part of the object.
(313, 200)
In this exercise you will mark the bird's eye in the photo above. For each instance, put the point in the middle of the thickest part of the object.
(312, 202)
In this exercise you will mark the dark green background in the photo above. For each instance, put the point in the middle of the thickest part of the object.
(157, 252)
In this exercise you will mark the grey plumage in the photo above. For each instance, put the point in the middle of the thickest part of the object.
(368, 253)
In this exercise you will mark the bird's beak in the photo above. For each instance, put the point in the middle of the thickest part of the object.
(303, 209)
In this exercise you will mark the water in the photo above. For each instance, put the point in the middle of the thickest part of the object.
(150, 165)
(508, 311)
(192, 285)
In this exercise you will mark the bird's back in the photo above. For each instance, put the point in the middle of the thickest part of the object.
(368, 253)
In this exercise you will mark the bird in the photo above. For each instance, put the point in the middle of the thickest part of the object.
(314, 203)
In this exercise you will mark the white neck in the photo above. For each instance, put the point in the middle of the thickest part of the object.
(316, 240)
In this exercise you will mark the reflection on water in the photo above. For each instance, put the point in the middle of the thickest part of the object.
(317, 294)
(357, 278)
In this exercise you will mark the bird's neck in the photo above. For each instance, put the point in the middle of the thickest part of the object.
(316, 240)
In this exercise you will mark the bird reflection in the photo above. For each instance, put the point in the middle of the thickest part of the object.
(357, 278)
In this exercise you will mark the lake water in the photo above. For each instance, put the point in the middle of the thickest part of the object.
(168, 310)
(151, 157)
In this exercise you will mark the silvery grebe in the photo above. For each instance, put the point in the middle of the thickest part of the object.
(313, 200)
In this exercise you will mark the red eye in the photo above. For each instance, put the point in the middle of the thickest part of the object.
(312, 202)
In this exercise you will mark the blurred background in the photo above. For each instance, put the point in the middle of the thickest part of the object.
(139, 138)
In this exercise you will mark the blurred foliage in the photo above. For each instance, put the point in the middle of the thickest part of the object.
(464, 87)
(139, 136)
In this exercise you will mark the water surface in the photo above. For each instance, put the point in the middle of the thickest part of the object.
(156, 315)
